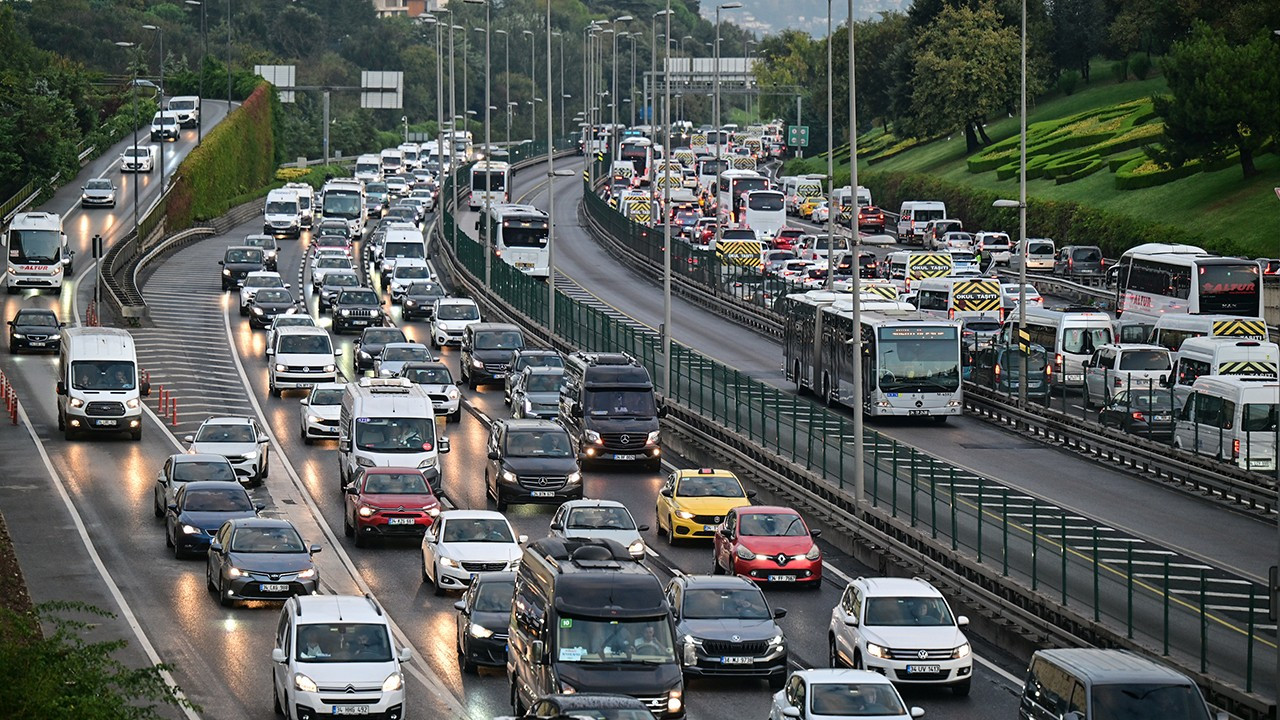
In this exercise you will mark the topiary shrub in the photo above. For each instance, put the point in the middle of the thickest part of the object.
(1143, 172)
(1068, 82)
(1140, 65)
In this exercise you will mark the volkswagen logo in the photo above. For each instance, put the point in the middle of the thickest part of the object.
(735, 638)
(625, 439)
(923, 654)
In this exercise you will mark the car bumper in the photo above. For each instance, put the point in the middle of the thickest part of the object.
(795, 572)
(302, 380)
(321, 428)
(457, 578)
(381, 526)
(120, 423)
(415, 310)
(378, 705)
(490, 651)
(446, 406)
(282, 231)
(598, 452)
(97, 201)
(35, 281)
(767, 665)
(447, 337)
(516, 493)
(253, 588)
(191, 543)
(53, 343)
(948, 671)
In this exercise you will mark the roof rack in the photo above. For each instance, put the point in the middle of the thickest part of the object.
(390, 385)
(374, 603)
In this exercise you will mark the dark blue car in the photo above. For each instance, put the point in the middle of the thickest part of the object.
(199, 509)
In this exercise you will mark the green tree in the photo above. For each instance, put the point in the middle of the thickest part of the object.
(1077, 33)
(966, 68)
(1223, 97)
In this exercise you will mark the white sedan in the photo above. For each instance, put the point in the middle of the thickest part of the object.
(319, 410)
(463, 543)
(833, 694)
(240, 440)
(590, 519)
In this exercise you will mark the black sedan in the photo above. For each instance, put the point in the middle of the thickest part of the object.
(1145, 413)
(419, 299)
(260, 559)
(731, 629)
(199, 509)
(483, 614)
(372, 340)
(268, 303)
(34, 329)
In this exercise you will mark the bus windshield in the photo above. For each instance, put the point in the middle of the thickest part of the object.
(1229, 289)
(915, 359)
(343, 205)
(743, 185)
(581, 640)
(497, 180)
(525, 237)
(35, 246)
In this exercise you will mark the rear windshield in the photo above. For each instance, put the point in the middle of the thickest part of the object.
(1147, 702)
(1040, 249)
(1144, 360)
(1086, 254)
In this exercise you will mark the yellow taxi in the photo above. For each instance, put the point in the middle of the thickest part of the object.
(806, 208)
(693, 503)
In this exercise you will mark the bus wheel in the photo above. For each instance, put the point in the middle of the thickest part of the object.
(800, 387)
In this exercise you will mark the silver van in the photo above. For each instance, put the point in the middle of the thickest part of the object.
(1089, 683)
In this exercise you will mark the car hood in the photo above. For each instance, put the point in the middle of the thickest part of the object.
(625, 537)
(99, 192)
(730, 629)
(435, 389)
(456, 325)
(211, 520)
(491, 356)
(372, 349)
(914, 637)
(339, 675)
(640, 680)
(227, 449)
(423, 299)
(768, 545)
(494, 621)
(604, 424)
(274, 307)
(540, 465)
(36, 330)
(542, 398)
(481, 551)
(270, 562)
(245, 266)
(410, 502)
(326, 412)
(711, 505)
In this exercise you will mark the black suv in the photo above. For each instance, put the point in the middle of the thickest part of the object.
(34, 329)
(356, 308)
(372, 340)
(531, 461)
(238, 261)
(486, 351)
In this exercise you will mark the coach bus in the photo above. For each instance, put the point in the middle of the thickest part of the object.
(1156, 279)
(518, 234)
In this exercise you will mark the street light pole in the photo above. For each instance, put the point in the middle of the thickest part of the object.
(97, 286)
(533, 88)
(716, 122)
(453, 136)
(859, 447)
(831, 172)
(204, 40)
(563, 94)
(631, 88)
(228, 55)
(506, 59)
(160, 34)
(1021, 204)
(666, 214)
(488, 150)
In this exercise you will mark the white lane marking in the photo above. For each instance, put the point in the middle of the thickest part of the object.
(83, 532)
(433, 683)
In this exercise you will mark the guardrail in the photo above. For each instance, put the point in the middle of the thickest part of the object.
(1069, 576)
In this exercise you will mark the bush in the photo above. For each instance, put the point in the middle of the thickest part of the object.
(1143, 172)
(1140, 65)
(1120, 70)
(1068, 81)
(122, 123)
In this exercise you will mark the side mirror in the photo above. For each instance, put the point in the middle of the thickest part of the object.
(851, 620)
(460, 606)
(337, 352)
(315, 549)
(493, 455)
(522, 539)
(405, 654)
(918, 712)
(270, 352)
(344, 445)
(215, 546)
(259, 507)
(576, 409)
(172, 506)
(263, 439)
(665, 492)
(287, 286)
(223, 262)
(751, 494)
(61, 387)
(557, 526)
(815, 533)
(779, 613)
(443, 445)
(351, 489)
(278, 656)
(144, 389)
(429, 537)
(791, 712)
(189, 439)
(537, 649)
(962, 621)
(642, 528)
(662, 410)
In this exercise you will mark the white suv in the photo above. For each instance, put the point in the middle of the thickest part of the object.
(333, 655)
(903, 629)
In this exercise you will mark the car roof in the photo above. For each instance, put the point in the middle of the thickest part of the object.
(329, 386)
(301, 330)
(262, 522)
(391, 345)
(703, 472)
(895, 587)
(330, 608)
(472, 515)
(531, 424)
(198, 457)
(543, 370)
(842, 675)
(294, 315)
(593, 503)
(213, 485)
(776, 509)
(456, 301)
(717, 582)
(227, 420)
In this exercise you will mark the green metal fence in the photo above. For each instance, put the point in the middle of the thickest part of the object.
(1200, 617)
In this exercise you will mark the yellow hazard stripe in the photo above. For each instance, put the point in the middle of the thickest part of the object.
(1246, 367)
(1241, 328)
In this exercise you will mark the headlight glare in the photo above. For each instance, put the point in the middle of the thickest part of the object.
(480, 631)
(190, 529)
(307, 574)
(304, 683)
(878, 651)
(394, 681)
(684, 514)
(961, 652)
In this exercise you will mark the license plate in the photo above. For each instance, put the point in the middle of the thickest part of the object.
(709, 528)
(624, 457)
(399, 521)
(37, 344)
(917, 412)
(917, 669)
(782, 578)
(735, 660)
(350, 709)
(542, 493)
(524, 265)
(105, 423)
(277, 587)
(359, 322)
(1161, 418)
(1075, 377)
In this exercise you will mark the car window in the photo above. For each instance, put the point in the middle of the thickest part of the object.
(429, 376)
(477, 530)
(231, 500)
(709, 486)
(600, 518)
(771, 525)
(326, 397)
(383, 336)
(741, 604)
(396, 484)
(908, 612)
(845, 699)
(343, 643)
(494, 596)
(202, 470)
(279, 539)
(238, 433)
(538, 443)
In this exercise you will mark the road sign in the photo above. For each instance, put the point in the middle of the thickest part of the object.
(282, 76)
(381, 90)
(798, 135)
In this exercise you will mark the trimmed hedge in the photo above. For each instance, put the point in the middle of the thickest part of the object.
(1143, 172)
(1092, 167)
(1064, 221)
(235, 159)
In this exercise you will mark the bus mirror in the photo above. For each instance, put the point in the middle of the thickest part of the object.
(537, 651)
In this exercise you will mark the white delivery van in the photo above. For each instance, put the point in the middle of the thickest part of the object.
(391, 161)
(913, 215)
(388, 422)
(411, 153)
(401, 242)
(301, 357)
(1123, 366)
(306, 201)
(368, 168)
(282, 214)
(1232, 419)
(186, 108)
(99, 387)
(1201, 356)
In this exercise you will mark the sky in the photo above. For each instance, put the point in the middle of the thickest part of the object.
(771, 16)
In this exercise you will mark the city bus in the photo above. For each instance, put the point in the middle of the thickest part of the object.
(1156, 279)
(344, 199)
(732, 187)
(911, 365)
(518, 234)
(765, 212)
(37, 254)
(490, 180)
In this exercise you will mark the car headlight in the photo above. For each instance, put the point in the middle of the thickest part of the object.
(636, 549)
(879, 651)
(479, 631)
(305, 684)
(567, 689)
(225, 271)
(330, 368)
(314, 418)
(433, 511)
(675, 701)
(451, 392)
(346, 313)
(574, 477)
(250, 455)
(257, 311)
(18, 336)
(960, 652)
(132, 403)
(814, 553)
(476, 363)
(14, 271)
(394, 681)
(234, 572)
(684, 514)
(364, 462)
(653, 438)
(745, 553)
(364, 355)
(508, 476)
(777, 640)
(410, 303)
(76, 402)
(191, 530)
(449, 562)
(366, 511)
(592, 436)
(429, 463)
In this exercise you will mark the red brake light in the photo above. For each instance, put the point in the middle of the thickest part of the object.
(1137, 415)
(1235, 449)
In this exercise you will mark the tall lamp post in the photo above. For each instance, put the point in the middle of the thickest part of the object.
(1021, 205)
(563, 96)
(551, 194)
(488, 147)
(97, 287)
(533, 90)
(228, 55)
(716, 122)
(613, 88)
(506, 59)
(439, 97)
(160, 36)
(631, 88)
(666, 214)
(204, 41)
(652, 92)
(859, 447)
(831, 174)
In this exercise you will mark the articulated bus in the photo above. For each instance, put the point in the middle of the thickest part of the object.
(1158, 279)
(37, 254)
(490, 180)
(518, 234)
(911, 365)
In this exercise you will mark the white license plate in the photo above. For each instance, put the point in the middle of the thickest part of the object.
(1161, 418)
(105, 423)
(350, 709)
(542, 493)
(625, 457)
(782, 578)
(709, 528)
(278, 587)
(37, 344)
(917, 669)
(399, 521)
(917, 412)
(1075, 377)
(735, 660)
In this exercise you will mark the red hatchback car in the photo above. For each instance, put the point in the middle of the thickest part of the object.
(768, 544)
(389, 502)
(871, 217)
(787, 238)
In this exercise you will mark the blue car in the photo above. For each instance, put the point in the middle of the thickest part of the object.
(199, 509)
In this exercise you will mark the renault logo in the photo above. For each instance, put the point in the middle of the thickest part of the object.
(625, 439)
(781, 559)
(923, 654)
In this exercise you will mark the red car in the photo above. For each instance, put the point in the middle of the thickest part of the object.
(768, 544)
(786, 238)
(871, 217)
(389, 502)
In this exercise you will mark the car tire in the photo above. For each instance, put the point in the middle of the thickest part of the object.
(435, 583)
(777, 680)
(13, 348)
(178, 554)
(155, 507)
(715, 565)
(168, 539)
(671, 530)
(455, 416)
(208, 578)
(468, 667)
(499, 500)
(275, 391)
(961, 689)
(426, 578)
(833, 657)
(356, 536)
(223, 599)
(857, 661)
(275, 697)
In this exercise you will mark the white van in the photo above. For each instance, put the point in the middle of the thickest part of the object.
(282, 215)
(914, 214)
(799, 188)
(306, 201)
(1039, 254)
(38, 255)
(391, 161)
(387, 422)
(1201, 356)
(368, 168)
(1232, 419)
(1123, 366)
(1071, 336)
(401, 242)
(411, 154)
(960, 298)
(164, 126)
(1173, 329)
(99, 387)
(301, 357)
(186, 108)
(994, 246)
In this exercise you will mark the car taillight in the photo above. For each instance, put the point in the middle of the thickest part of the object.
(1235, 449)
(997, 372)
(1118, 382)
(1137, 415)
(1058, 361)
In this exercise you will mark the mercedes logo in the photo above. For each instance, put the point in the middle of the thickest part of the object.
(923, 654)
(625, 439)
(542, 482)
(735, 638)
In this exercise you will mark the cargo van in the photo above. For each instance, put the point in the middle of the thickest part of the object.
(301, 357)
(388, 422)
(368, 168)
(282, 214)
(99, 387)
(401, 242)
(1070, 335)
(914, 214)
(1200, 356)
(1038, 254)
(1123, 366)
(1095, 684)
(958, 298)
(186, 108)
(1231, 418)
(306, 201)
(391, 161)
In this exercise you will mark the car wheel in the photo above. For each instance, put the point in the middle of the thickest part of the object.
(439, 591)
(13, 348)
(168, 538)
(275, 697)
(155, 506)
(776, 681)
(136, 435)
(658, 523)
(715, 565)
(208, 577)
(465, 663)
(347, 528)
(833, 657)
(223, 599)
(455, 416)
(671, 530)
(499, 500)
(857, 661)
(275, 391)
(426, 578)
(178, 552)
(961, 689)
